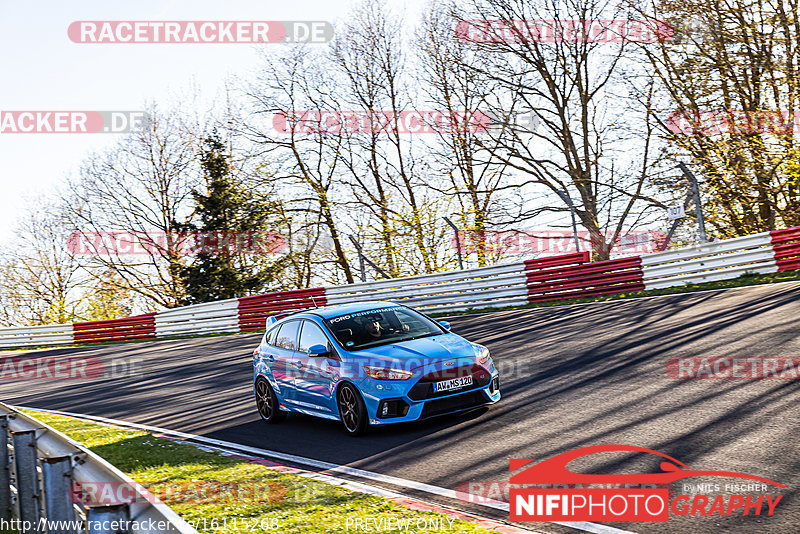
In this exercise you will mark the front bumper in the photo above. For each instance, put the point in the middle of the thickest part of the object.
(388, 402)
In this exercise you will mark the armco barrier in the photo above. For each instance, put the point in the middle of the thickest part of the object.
(542, 279)
(586, 279)
(709, 262)
(486, 287)
(125, 329)
(55, 334)
(208, 318)
(49, 466)
(786, 245)
(253, 311)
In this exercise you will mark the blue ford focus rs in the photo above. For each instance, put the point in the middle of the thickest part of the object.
(369, 364)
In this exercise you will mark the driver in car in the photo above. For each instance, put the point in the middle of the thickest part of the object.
(376, 331)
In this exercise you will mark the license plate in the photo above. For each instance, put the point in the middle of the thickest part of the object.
(453, 383)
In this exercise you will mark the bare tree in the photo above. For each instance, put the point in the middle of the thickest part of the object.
(41, 278)
(382, 163)
(474, 175)
(577, 147)
(304, 157)
(729, 80)
(140, 187)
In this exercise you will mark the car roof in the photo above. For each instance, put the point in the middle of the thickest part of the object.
(327, 312)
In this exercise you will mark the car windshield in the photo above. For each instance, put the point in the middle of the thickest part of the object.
(380, 326)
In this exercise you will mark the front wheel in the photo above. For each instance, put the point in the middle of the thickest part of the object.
(352, 410)
(267, 402)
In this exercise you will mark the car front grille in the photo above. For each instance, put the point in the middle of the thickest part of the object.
(464, 401)
(423, 389)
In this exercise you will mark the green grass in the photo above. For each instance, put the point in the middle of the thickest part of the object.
(747, 279)
(269, 499)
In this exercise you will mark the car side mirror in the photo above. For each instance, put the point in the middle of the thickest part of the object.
(445, 325)
(318, 350)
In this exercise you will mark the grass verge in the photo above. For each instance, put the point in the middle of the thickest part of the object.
(218, 493)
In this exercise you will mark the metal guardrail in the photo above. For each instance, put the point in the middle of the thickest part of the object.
(483, 288)
(719, 260)
(55, 334)
(40, 469)
(212, 317)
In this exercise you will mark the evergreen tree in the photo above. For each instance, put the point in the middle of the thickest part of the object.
(226, 265)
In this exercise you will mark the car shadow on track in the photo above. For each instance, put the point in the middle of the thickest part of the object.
(323, 439)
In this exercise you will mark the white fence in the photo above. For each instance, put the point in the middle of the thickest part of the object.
(486, 287)
(471, 289)
(55, 334)
(709, 262)
(212, 317)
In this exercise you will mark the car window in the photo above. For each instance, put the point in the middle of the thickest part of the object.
(271, 336)
(311, 335)
(379, 326)
(287, 336)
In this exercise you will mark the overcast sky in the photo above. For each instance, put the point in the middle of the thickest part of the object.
(41, 69)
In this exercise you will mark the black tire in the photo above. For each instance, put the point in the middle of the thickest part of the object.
(267, 402)
(352, 410)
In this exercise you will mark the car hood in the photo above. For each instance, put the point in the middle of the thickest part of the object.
(418, 353)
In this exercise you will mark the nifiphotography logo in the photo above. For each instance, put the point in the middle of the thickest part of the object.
(628, 497)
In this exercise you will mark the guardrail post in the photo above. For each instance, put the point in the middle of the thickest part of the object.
(58, 503)
(112, 519)
(5, 471)
(27, 478)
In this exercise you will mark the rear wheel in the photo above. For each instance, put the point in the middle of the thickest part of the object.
(352, 410)
(267, 402)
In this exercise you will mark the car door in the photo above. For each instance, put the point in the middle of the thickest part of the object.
(316, 374)
(280, 355)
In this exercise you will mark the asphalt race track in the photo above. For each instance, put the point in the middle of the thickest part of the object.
(572, 376)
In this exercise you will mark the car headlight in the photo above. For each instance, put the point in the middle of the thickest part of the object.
(385, 373)
(483, 354)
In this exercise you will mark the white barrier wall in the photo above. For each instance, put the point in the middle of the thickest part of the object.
(208, 318)
(56, 334)
(709, 262)
(498, 286)
(485, 287)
